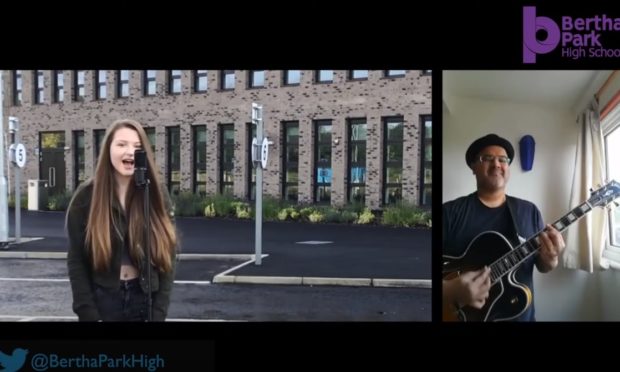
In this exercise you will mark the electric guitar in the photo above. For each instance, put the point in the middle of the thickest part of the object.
(508, 299)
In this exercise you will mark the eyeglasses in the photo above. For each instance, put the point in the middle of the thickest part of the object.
(491, 159)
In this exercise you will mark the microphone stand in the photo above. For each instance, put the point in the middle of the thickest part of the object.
(147, 247)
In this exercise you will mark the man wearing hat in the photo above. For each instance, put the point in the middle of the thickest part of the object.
(490, 209)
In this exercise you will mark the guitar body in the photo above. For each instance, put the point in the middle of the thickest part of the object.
(508, 299)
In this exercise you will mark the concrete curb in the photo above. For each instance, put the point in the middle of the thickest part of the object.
(300, 280)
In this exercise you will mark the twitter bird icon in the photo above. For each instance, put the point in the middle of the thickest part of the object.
(13, 363)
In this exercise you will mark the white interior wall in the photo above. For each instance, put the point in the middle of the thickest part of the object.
(562, 295)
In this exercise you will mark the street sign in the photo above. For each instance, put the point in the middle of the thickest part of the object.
(17, 154)
(264, 153)
(20, 155)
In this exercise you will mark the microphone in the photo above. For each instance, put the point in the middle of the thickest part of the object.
(139, 162)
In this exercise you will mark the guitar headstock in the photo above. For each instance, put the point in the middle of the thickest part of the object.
(605, 194)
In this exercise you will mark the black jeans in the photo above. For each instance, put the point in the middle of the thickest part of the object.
(125, 304)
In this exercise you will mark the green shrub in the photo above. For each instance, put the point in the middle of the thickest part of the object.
(283, 214)
(210, 210)
(24, 201)
(59, 202)
(355, 207)
(316, 217)
(223, 205)
(271, 208)
(405, 215)
(332, 215)
(365, 217)
(242, 209)
(348, 216)
(294, 214)
(188, 204)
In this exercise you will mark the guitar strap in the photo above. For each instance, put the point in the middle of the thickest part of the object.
(514, 238)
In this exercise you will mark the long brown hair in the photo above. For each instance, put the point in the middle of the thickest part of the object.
(102, 222)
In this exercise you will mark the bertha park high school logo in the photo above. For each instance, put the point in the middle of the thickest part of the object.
(575, 37)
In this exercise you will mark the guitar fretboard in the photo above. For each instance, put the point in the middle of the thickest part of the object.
(522, 252)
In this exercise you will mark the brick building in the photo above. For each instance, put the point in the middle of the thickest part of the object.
(338, 135)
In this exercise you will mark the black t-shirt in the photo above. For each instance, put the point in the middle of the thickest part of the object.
(466, 217)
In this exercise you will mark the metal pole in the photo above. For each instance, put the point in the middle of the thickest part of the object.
(257, 119)
(4, 204)
(18, 199)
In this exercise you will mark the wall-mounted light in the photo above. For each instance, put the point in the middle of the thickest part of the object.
(336, 141)
(527, 146)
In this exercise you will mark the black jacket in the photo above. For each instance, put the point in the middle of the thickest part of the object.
(82, 274)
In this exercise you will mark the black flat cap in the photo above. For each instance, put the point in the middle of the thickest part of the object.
(488, 140)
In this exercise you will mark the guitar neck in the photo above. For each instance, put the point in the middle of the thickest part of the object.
(522, 252)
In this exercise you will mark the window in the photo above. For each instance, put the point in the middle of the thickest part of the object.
(358, 74)
(78, 85)
(324, 76)
(227, 157)
(257, 78)
(611, 134)
(199, 146)
(227, 79)
(290, 176)
(149, 81)
(323, 161)
(39, 92)
(17, 87)
(173, 150)
(174, 82)
(426, 178)
(52, 140)
(100, 83)
(392, 160)
(150, 133)
(99, 135)
(79, 175)
(122, 79)
(427, 72)
(59, 86)
(394, 73)
(356, 189)
(200, 81)
(251, 129)
(292, 77)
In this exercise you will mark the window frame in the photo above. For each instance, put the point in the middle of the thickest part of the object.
(425, 163)
(388, 164)
(198, 75)
(101, 84)
(39, 86)
(224, 166)
(173, 76)
(289, 165)
(146, 83)
(198, 164)
(121, 83)
(18, 87)
(59, 89)
(322, 164)
(609, 125)
(350, 164)
(77, 86)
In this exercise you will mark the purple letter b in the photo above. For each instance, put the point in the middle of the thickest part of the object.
(531, 24)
